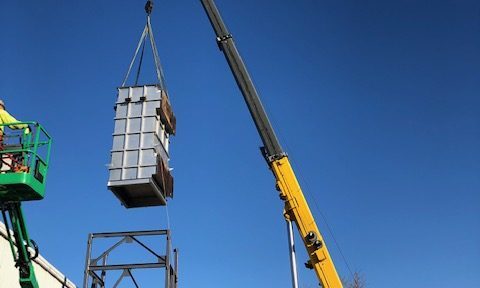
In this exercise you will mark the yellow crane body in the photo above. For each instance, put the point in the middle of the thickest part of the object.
(296, 207)
(298, 211)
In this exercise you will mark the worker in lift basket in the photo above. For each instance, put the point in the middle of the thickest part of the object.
(9, 162)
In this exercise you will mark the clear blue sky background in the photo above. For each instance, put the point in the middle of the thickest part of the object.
(376, 102)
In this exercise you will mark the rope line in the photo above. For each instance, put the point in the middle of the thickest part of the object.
(324, 218)
(140, 62)
(311, 196)
(168, 224)
(147, 31)
(134, 56)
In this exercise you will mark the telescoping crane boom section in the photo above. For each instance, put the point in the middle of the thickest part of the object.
(296, 206)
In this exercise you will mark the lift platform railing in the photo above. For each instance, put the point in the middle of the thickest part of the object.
(24, 155)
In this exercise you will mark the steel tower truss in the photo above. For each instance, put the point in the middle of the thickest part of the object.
(97, 267)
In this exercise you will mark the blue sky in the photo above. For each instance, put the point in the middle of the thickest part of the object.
(376, 103)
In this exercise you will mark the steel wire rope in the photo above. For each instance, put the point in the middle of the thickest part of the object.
(140, 61)
(310, 195)
(142, 38)
(156, 58)
(167, 214)
(161, 80)
(147, 32)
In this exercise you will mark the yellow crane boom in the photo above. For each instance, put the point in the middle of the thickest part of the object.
(296, 206)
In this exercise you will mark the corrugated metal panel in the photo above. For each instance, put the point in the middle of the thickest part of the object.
(47, 275)
(139, 142)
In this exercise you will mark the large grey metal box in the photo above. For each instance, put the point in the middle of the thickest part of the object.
(140, 141)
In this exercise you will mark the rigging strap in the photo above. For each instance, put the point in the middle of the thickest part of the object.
(147, 32)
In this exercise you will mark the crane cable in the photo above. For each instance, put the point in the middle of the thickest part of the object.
(311, 196)
(147, 31)
(142, 38)
(168, 216)
(140, 62)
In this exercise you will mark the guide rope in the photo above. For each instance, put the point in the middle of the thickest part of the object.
(307, 190)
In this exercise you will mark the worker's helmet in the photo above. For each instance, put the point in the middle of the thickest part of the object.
(2, 104)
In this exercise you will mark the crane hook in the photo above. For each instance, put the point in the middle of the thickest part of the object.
(149, 7)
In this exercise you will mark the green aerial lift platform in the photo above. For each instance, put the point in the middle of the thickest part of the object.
(24, 160)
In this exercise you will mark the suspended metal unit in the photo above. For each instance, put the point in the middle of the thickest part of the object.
(139, 172)
(139, 176)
